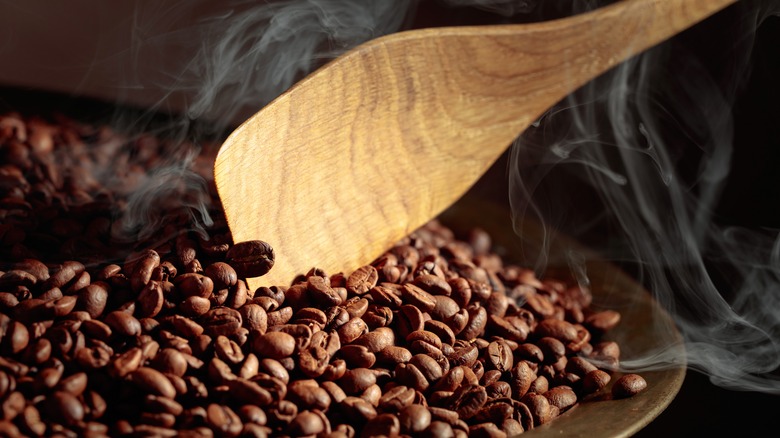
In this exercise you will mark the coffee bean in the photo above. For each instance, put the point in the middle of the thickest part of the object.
(252, 258)
(357, 380)
(628, 385)
(561, 396)
(122, 323)
(377, 340)
(221, 321)
(362, 280)
(603, 321)
(223, 420)
(306, 423)
(499, 356)
(64, 407)
(150, 300)
(153, 382)
(93, 299)
(274, 345)
(382, 425)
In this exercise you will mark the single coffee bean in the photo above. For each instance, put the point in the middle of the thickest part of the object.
(393, 355)
(377, 340)
(357, 356)
(396, 398)
(408, 319)
(94, 298)
(248, 391)
(152, 381)
(476, 323)
(150, 300)
(306, 423)
(383, 425)
(499, 356)
(252, 258)
(194, 285)
(307, 394)
(362, 280)
(416, 296)
(222, 275)
(65, 407)
(221, 321)
(540, 385)
(274, 345)
(561, 396)
(122, 323)
(223, 420)
(628, 385)
(603, 321)
(357, 380)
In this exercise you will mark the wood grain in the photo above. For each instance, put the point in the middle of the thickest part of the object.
(381, 140)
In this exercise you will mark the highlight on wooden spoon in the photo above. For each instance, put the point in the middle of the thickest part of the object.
(381, 140)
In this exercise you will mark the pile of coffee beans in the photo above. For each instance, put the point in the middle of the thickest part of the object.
(154, 332)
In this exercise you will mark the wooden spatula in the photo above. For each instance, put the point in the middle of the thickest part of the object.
(381, 140)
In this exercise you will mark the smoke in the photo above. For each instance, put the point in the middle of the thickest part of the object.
(640, 157)
(243, 54)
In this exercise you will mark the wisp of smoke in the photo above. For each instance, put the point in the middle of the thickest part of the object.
(245, 53)
(632, 137)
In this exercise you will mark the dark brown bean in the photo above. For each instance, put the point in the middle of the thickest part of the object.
(274, 345)
(252, 258)
(153, 382)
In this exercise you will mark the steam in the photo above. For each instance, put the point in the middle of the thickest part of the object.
(244, 54)
(653, 142)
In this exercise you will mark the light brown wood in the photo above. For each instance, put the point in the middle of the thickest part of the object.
(381, 140)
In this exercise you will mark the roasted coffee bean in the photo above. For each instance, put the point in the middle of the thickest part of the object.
(122, 323)
(476, 323)
(357, 380)
(223, 420)
(377, 340)
(274, 345)
(221, 321)
(416, 296)
(378, 316)
(499, 356)
(540, 385)
(248, 391)
(150, 300)
(194, 285)
(65, 407)
(94, 298)
(362, 280)
(153, 382)
(628, 385)
(382, 425)
(353, 329)
(228, 350)
(252, 258)
(563, 397)
(409, 319)
(222, 275)
(281, 316)
(603, 321)
(306, 423)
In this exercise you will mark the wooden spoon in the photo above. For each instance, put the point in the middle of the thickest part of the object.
(382, 139)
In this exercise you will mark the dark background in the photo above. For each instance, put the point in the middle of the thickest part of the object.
(749, 199)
